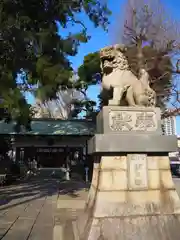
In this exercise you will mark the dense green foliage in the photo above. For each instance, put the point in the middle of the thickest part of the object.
(90, 72)
(88, 75)
(30, 46)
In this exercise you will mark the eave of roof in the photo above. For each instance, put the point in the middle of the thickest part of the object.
(51, 127)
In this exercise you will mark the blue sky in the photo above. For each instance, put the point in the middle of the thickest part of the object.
(99, 38)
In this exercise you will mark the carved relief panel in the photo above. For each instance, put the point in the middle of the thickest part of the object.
(132, 121)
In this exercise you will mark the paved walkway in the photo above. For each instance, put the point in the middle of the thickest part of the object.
(27, 210)
(71, 202)
(36, 209)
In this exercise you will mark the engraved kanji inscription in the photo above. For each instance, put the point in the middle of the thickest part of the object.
(120, 121)
(145, 120)
(138, 182)
(137, 171)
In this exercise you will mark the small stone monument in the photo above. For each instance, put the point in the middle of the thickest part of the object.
(132, 194)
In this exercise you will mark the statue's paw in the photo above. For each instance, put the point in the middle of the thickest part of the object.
(113, 102)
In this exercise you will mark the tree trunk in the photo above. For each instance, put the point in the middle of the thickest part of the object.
(140, 55)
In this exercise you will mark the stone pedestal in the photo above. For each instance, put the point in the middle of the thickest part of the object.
(132, 195)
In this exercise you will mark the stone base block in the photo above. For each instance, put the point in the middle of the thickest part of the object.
(131, 197)
(136, 228)
(119, 119)
(137, 143)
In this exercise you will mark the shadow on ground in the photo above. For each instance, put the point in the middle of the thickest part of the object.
(34, 189)
(72, 188)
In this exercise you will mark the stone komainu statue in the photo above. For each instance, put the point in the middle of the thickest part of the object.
(126, 86)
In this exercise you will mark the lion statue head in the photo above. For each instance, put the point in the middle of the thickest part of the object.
(112, 58)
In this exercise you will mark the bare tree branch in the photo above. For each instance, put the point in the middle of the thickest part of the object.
(147, 23)
(60, 108)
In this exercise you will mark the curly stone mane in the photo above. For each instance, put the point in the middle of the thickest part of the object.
(115, 58)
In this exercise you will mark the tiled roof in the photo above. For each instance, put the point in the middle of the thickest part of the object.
(51, 127)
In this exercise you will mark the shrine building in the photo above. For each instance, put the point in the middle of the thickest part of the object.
(50, 141)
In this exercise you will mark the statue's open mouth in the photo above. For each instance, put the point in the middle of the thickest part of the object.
(107, 68)
(107, 64)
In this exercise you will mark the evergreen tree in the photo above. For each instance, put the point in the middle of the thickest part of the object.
(88, 75)
(30, 48)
